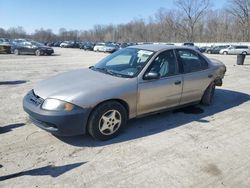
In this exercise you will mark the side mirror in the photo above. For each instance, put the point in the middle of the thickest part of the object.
(152, 75)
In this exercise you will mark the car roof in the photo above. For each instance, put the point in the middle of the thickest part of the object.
(158, 47)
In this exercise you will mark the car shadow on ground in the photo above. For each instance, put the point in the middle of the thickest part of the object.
(49, 170)
(142, 127)
(13, 82)
(8, 128)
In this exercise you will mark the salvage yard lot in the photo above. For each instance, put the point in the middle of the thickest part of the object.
(191, 147)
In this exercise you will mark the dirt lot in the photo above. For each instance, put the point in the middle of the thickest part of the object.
(193, 147)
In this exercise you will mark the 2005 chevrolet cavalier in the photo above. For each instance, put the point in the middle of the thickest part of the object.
(132, 82)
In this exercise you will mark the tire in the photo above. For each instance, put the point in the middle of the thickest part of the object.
(38, 52)
(209, 52)
(225, 53)
(107, 120)
(16, 52)
(244, 53)
(207, 98)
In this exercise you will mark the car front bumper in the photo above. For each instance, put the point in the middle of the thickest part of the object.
(48, 51)
(56, 122)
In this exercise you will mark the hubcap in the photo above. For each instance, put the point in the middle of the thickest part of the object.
(110, 122)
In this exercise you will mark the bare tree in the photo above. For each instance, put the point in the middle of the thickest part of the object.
(16, 32)
(187, 22)
(240, 9)
(193, 11)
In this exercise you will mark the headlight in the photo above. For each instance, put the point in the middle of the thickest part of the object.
(57, 105)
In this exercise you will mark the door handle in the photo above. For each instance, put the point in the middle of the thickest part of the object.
(210, 76)
(177, 82)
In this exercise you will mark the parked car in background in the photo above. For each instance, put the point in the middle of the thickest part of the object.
(123, 45)
(87, 46)
(132, 82)
(31, 47)
(57, 44)
(110, 48)
(216, 49)
(237, 49)
(50, 44)
(99, 47)
(5, 45)
(204, 49)
(188, 44)
(66, 44)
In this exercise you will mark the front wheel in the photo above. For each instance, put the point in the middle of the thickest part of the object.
(107, 120)
(207, 98)
(38, 52)
(16, 52)
(225, 53)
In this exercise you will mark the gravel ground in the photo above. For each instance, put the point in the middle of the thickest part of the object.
(191, 147)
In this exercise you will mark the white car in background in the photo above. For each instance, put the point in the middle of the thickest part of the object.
(99, 47)
(239, 49)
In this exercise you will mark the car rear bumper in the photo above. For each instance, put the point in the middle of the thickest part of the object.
(56, 122)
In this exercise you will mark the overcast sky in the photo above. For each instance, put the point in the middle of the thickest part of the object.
(78, 14)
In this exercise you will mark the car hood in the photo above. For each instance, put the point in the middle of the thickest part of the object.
(84, 87)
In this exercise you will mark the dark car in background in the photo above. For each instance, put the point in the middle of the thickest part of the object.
(57, 44)
(124, 45)
(216, 49)
(50, 44)
(31, 47)
(87, 46)
(204, 49)
(5, 45)
(188, 44)
(70, 44)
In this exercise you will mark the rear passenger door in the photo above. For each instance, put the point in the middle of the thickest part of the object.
(196, 74)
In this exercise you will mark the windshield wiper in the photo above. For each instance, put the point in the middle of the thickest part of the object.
(105, 70)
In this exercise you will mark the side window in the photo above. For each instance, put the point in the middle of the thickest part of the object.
(191, 61)
(164, 63)
(204, 64)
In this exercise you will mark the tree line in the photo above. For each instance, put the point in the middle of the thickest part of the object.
(190, 20)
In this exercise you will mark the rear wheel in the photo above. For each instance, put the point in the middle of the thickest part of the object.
(107, 120)
(244, 53)
(16, 52)
(38, 52)
(207, 98)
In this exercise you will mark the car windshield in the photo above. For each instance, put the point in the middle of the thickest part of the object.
(127, 62)
(37, 44)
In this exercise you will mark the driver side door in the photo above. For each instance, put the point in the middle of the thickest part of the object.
(162, 93)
